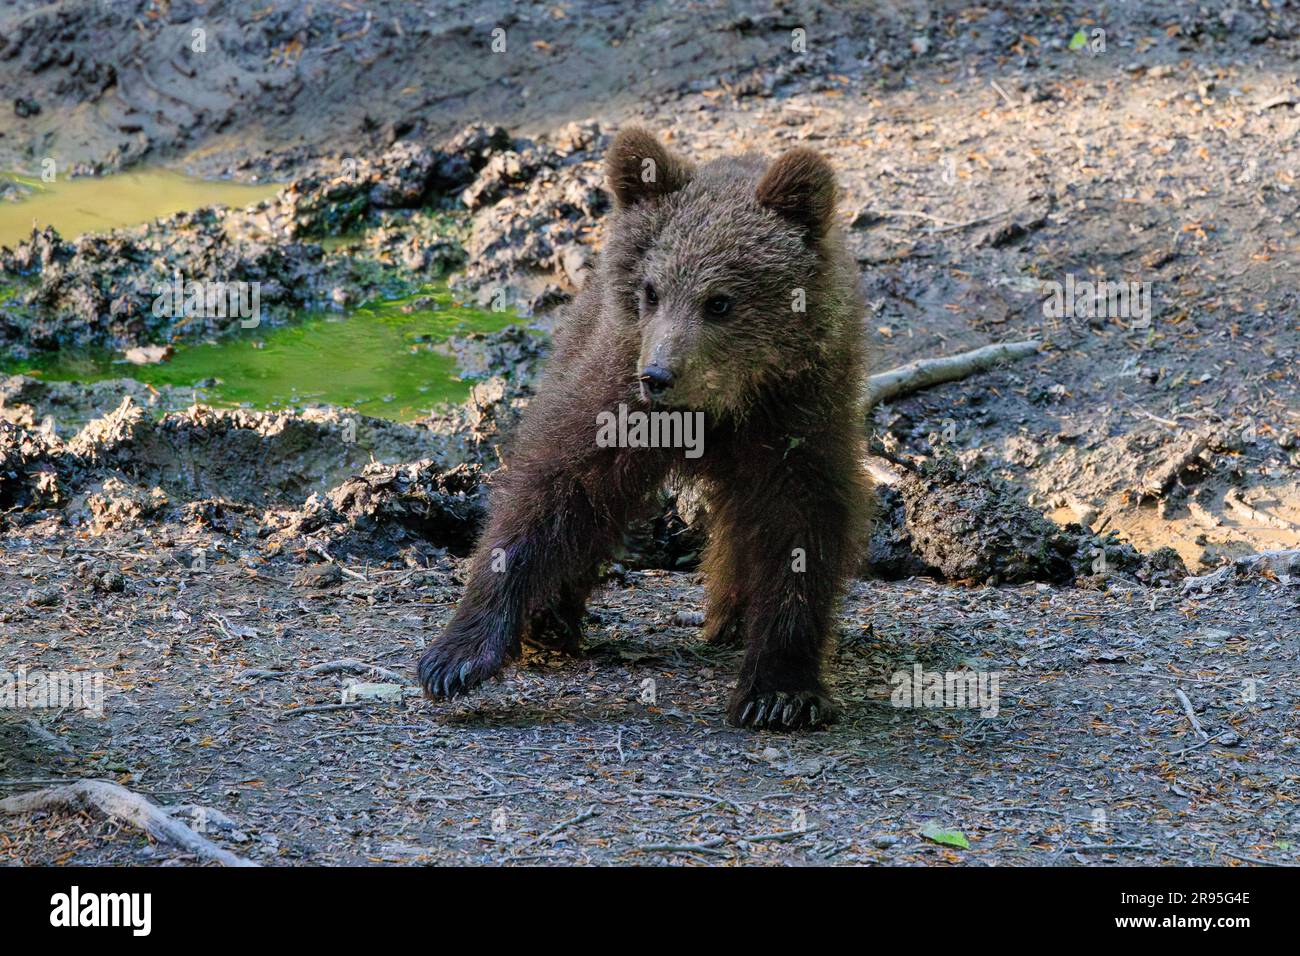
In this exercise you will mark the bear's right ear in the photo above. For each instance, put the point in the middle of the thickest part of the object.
(639, 167)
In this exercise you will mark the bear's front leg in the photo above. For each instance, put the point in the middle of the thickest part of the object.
(557, 511)
(792, 536)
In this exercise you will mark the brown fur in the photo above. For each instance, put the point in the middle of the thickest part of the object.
(780, 391)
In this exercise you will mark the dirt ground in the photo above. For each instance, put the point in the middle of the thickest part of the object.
(1089, 758)
(979, 156)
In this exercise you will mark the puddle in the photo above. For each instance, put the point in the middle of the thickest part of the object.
(377, 359)
(97, 204)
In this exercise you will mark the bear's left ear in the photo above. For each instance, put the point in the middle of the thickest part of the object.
(639, 167)
(800, 187)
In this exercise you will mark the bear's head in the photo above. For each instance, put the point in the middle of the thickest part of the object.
(723, 273)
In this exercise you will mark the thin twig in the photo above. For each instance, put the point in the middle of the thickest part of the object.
(1191, 714)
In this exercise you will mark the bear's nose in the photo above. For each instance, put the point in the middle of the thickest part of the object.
(656, 380)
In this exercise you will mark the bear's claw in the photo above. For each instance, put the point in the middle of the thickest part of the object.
(779, 710)
(443, 674)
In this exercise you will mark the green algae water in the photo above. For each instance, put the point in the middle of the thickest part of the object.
(386, 359)
(97, 204)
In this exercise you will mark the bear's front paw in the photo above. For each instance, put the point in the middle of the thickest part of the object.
(782, 710)
(448, 670)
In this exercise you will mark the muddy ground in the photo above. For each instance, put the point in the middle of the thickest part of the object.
(979, 156)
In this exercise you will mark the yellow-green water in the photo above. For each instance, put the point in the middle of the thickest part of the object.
(378, 359)
(97, 204)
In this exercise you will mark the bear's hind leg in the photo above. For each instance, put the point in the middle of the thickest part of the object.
(558, 626)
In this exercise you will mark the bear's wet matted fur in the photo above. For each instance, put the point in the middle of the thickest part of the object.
(724, 290)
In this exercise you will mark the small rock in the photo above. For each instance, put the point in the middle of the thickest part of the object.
(364, 691)
(149, 354)
(44, 597)
(110, 582)
(318, 576)
(865, 217)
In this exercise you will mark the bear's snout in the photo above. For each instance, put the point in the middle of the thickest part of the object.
(655, 381)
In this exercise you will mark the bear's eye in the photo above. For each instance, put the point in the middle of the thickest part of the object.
(718, 305)
(651, 296)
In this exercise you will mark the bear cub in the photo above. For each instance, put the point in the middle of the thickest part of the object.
(722, 289)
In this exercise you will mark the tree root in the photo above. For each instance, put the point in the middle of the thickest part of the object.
(119, 803)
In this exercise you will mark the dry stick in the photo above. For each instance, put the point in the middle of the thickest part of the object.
(586, 815)
(1191, 714)
(1279, 562)
(1158, 479)
(350, 666)
(1003, 93)
(1194, 747)
(1238, 504)
(120, 803)
(778, 837)
(687, 795)
(50, 740)
(1103, 848)
(709, 846)
(318, 709)
(923, 373)
(1254, 859)
(881, 470)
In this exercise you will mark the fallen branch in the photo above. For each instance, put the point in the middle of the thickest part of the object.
(923, 373)
(1158, 479)
(1279, 562)
(350, 666)
(1237, 504)
(1282, 562)
(53, 741)
(119, 803)
(318, 709)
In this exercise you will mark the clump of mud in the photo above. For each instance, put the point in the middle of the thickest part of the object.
(514, 353)
(412, 509)
(119, 504)
(409, 174)
(129, 465)
(59, 406)
(479, 429)
(30, 466)
(103, 291)
(969, 527)
(535, 207)
(959, 525)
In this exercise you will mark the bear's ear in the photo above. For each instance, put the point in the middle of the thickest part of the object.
(800, 187)
(639, 167)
